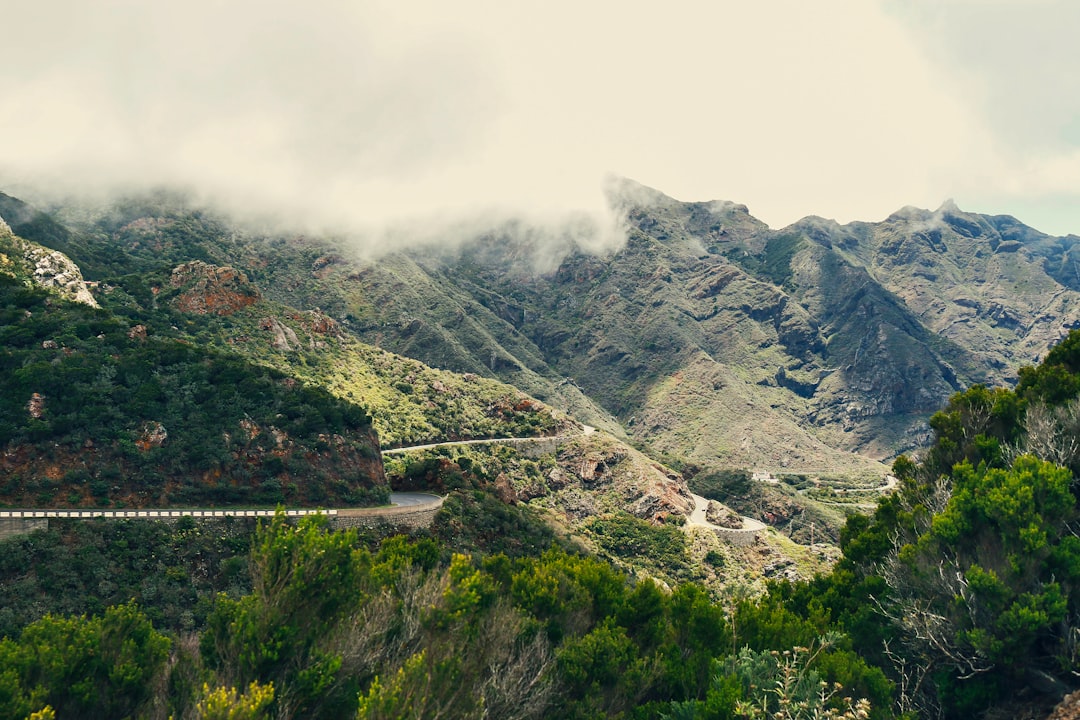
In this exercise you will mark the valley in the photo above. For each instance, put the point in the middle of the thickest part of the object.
(715, 428)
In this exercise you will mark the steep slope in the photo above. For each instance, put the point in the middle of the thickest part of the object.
(218, 307)
(683, 346)
(1001, 290)
(713, 337)
(94, 411)
(695, 336)
(708, 336)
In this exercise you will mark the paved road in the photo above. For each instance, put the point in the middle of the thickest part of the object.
(697, 517)
(397, 500)
(408, 499)
(482, 441)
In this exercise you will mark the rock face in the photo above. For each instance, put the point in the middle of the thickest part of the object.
(284, 337)
(210, 289)
(55, 270)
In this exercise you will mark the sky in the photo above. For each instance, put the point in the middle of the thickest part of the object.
(397, 119)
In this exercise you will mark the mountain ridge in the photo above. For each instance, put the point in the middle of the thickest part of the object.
(841, 338)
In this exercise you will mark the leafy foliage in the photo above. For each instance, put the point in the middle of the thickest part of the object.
(976, 559)
(139, 413)
(624, 535)
(304, 581)
(82, 667)
(229, 704)
(331, 627)
(174, 571)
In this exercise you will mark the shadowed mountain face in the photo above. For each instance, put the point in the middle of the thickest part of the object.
(712, 337)
(708, 336)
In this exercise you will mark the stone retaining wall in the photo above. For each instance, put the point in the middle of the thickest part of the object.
(413, 516)
(534, 448)
(737, 537)
(529, 447)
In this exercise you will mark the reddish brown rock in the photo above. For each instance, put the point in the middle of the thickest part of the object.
(504, 490)
(319, 323)
(211, 290)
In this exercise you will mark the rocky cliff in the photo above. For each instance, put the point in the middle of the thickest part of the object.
(209, 289)
(43, 266)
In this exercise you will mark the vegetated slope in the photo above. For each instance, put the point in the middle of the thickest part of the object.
(158, 232)
(973, 564)
(708, 335)
(95, 411)
(411, 403)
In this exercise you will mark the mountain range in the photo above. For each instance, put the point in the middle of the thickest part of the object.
(708, 337)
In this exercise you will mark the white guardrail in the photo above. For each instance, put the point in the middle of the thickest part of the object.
(84, 514)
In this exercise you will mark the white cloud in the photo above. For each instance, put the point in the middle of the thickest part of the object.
(1013, 62)
(378, 114)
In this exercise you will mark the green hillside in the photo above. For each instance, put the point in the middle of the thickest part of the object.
(95, 411)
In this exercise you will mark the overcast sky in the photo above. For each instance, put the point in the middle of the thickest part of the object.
(353, 114)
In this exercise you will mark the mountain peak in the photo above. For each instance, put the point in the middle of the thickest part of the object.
(949, 206)
(624, 192)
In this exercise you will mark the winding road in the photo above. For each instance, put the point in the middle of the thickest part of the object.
(416, 501)
(398, 500)
(587, 430)
(697, 517)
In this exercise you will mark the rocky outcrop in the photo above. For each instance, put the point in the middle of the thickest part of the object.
(36, 406)
(1067, 709)
(55, 270)
(210, 289)
(717, 514)
(317, 322)
(153, 435)
(284, 337)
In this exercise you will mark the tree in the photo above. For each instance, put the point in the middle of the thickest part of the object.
(305, 582)
(230, 704)
(82, 667)
(983, 589)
